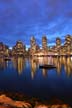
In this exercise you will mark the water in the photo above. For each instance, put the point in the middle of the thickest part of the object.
(25, 76)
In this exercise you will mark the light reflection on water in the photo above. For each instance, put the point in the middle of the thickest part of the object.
(20, 64)
(24, 75)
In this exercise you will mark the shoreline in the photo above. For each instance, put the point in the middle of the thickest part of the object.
(17, 100)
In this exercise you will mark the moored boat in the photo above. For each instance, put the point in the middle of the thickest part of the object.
(47, 66)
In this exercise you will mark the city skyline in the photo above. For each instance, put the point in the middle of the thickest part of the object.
(40, 45)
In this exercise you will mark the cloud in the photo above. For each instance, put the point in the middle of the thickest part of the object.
(20, 19)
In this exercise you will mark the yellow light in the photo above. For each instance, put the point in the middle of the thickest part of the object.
(71, 58)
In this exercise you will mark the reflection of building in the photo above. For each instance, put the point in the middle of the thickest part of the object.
(58, 65)
(14, 62)
(45, 60)
(19, 64)
(19, 49)
(2, 64)
(59, 62)
(67, 65)
(68, 62)
(33, 68)
(44, 72)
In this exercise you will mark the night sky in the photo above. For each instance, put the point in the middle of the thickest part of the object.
(21, 19)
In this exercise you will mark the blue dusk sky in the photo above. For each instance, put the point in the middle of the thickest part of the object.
(21, 19)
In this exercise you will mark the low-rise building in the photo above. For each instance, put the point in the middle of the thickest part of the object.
(4, 50)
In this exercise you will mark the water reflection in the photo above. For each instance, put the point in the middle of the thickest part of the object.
(69, 66)
(3, 64)
(63, 61)
(44, 60)
(19, 64)
(44, 72)
(59, 62)
(34, 65)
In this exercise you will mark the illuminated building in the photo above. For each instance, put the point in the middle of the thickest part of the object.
(4, 50)
(34, 47)
(44, 43)
(58, 42)
(68, 43)
(19, 49)
(35, 50)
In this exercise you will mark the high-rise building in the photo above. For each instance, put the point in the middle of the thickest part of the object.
(58, 42)
(34, 47)
(58, 45)
(44, 43)
(68, 42)
(71, 44)
(33, 43)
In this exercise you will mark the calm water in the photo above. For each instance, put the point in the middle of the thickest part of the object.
(24, 75)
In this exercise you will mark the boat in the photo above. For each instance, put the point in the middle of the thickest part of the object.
(47, 66)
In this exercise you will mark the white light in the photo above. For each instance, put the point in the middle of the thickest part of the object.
(10, 47)
(71, 58)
